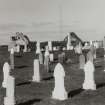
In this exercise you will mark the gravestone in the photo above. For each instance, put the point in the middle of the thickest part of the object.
(59, 91)
(38, 48)
(91, 42)
(12, 58)
(89, 82)
(51, 57)
(10, 98)
(46, 59)
(50, 45)
(36, 76)
(81, 61)
(40, 58)
(6, 70)
(68, 42)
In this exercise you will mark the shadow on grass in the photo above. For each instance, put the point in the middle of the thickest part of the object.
(75, 92)
(21, 67)
(30, 102)
(23, 83)
(48, 78)
(100, 85)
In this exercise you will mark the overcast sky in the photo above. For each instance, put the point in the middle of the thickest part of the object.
(40, 19)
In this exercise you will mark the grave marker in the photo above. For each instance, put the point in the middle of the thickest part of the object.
(10, 98)
(6, 70)
(89, 82)
(59, 91)
(36, 76)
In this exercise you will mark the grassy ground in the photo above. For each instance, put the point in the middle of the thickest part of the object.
(32, 93)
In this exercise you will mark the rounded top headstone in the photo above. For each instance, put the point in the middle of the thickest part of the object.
(6, 67)
(59, 71)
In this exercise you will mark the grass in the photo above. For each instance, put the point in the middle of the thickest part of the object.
(32, 93)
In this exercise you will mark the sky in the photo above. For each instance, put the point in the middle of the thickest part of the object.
(44, 20)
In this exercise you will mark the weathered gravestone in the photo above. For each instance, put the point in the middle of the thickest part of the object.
(12, 58)
(81, 61)
(10, 98)
(36, 76)
(6, 70)
(59, 91)
(89, 82)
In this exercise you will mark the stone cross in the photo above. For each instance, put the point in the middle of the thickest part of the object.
(6, 70)
(36, 76)
(89, 82)
(59, 91)
(10, 90)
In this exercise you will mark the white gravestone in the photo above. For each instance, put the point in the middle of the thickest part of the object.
(10, 98)
(51, 57)
(68, 42)
(59, 91)
(6, 70)
(38, 48)
(36, 76)
(12, 58)
(46, 60)
(50, 45)
(82, 61)
(89, 82)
